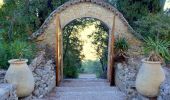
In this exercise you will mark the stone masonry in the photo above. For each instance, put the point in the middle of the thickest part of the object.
(125, 79)
(44, 74)
(8, 92)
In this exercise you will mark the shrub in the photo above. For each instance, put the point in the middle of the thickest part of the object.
(15, 50)
(100, 73)
(121, 49)
(157, 49)
(70, 72)
(154, 26)
(3, 56)
(20, 49)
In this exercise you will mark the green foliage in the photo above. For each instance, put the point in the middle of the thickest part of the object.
(70, 72)
(90, 66)
(121, 46)
(121, 49)
(3, 55)
(72, 48)
(136, 9)
(18, 20)
(154, 26)
(100, 41)
(157, 49)
(20, 50)
(100, 73)
(167, 11)
(72, 45)
(112, 2)
(15, 50)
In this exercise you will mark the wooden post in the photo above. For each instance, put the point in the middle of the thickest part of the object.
(112, 67)
(57, 50)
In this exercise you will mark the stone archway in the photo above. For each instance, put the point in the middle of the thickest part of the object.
(50, 33)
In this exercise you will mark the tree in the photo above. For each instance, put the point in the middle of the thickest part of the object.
(154, 26)
(167, 11)
(112, 2)
(136, 9)
(19, 19)
(73, 45)
(72, 48)
(100, 41)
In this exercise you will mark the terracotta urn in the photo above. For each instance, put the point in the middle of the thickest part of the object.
(149, 78)
(20, 75)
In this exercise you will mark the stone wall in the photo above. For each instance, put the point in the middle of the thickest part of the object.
(2, 75)
(74, 9)
(126, 76)
(44, 73)
(165, 86)
(8, 92)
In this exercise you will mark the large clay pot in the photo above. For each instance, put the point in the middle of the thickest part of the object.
(20, 75)
(149, 78)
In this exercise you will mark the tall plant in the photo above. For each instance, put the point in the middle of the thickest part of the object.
(154, 25)
(19, 49)
(133, 10)
(158, 50)
(121, 48)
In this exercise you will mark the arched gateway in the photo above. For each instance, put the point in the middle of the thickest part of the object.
(50, 33)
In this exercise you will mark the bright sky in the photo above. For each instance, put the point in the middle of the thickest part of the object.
(167, 4)
(1, 2)
(88, 49)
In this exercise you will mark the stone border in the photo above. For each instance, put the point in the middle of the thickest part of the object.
(101, 3)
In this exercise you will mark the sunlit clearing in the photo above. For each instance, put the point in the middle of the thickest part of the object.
(88, 48)
(167, 4)
(1, 3)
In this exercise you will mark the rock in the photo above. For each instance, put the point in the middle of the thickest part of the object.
(165, 86)
(2, 75)
(44, 74)
(8, 92)
(126, 76)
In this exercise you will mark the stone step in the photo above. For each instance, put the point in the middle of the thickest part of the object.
(84, 89)
(83, 83)
(105, 95)
(85, 80)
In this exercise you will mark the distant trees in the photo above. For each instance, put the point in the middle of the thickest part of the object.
(100, 40)
(154, 26)
(19, 19)
(136, 9)
(72, 48)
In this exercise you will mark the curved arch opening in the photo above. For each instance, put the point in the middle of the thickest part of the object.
(85, 48)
